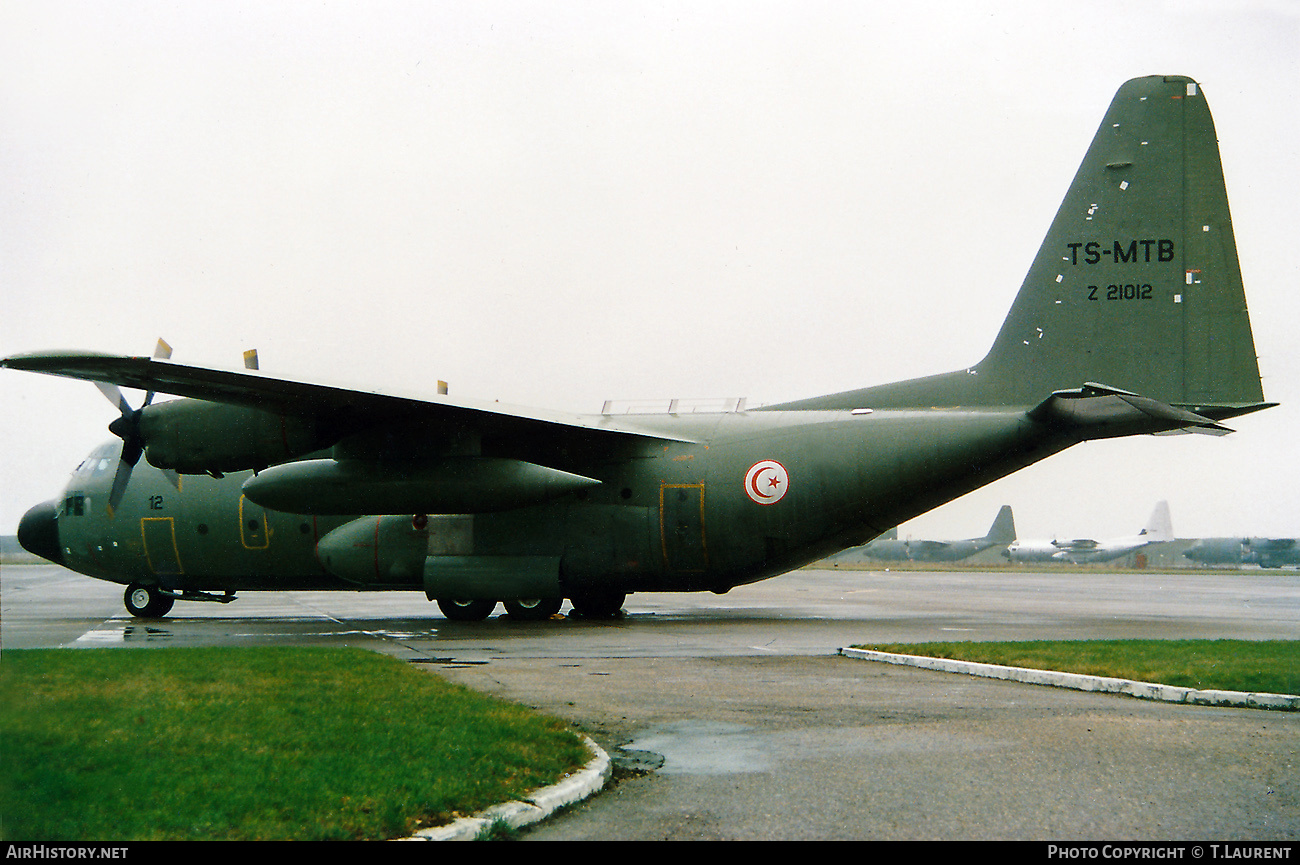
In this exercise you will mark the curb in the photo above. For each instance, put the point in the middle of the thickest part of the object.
(1079, 682)
(539, 805)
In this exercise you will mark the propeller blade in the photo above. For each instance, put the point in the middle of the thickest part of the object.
(127, 428)
(114, 395)
(161, 351)
(120, 479)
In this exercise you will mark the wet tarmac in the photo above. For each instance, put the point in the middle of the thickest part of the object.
(733, 718)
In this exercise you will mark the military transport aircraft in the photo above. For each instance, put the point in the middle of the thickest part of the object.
(1081, 551)
(1265, 552)
(892, 549)
(1131, 320)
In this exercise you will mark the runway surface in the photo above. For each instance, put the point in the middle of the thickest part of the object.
(750, 727)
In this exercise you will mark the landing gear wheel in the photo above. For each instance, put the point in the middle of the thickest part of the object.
(601, 605)
(146, 602)
(466, 611)
(532, 609)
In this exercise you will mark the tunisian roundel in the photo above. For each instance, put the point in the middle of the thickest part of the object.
(766, 482)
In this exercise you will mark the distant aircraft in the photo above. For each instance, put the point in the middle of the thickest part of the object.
(1132, 320)
(1086, 550)
(1265, 552)
(891, 549)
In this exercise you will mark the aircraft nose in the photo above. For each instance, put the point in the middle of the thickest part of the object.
(38, 532)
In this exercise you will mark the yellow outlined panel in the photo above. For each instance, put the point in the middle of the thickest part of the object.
(681, 528)
(254, 533)
(159, 537)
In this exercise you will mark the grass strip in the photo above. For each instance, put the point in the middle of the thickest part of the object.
(255, 744)
(1263, 666)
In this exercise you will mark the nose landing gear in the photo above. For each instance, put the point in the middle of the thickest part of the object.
(147, 602)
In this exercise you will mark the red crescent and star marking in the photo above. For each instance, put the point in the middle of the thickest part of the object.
(766, 482)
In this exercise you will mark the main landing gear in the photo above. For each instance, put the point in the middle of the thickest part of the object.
(466, 611)
(594, 606)
(532, 609)
(599, 605)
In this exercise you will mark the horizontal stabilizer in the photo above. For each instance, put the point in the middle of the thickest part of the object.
(1099, 411)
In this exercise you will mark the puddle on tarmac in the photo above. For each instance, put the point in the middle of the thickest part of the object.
(703, 748)
(123, 634)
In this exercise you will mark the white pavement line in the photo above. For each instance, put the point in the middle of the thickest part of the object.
(539, 805)
(1079, 682)
(110, 631)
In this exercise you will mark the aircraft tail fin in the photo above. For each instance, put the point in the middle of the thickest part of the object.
(1159, 527)
(1137, 283)
(1003, 530)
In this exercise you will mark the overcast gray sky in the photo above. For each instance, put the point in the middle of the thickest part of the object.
(556, 203)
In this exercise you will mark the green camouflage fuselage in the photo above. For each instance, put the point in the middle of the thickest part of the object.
(672, 516)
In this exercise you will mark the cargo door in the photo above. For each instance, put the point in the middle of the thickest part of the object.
(159, 535)
(681, 527)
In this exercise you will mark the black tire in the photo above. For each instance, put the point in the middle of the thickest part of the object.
(599, 605)
(466, 611)
(532, 609)
(146, 602)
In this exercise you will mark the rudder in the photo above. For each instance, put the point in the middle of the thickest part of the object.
(1003, 530)
(1136, 285)
(1160, 526)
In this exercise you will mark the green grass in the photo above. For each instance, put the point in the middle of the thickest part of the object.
(1267, 666)
(252, 744)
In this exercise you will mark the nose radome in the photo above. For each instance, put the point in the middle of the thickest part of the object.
(38, 532)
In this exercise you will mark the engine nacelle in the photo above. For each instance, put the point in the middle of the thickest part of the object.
(197, 437)
(446, 485)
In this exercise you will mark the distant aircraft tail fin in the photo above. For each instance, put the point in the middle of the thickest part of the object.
(1136, 286)
(1003, 530)
(1160, 527)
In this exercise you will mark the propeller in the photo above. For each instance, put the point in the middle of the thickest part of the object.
(127, 428)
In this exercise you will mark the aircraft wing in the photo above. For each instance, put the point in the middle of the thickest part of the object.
(289, 396)
(929, 547)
